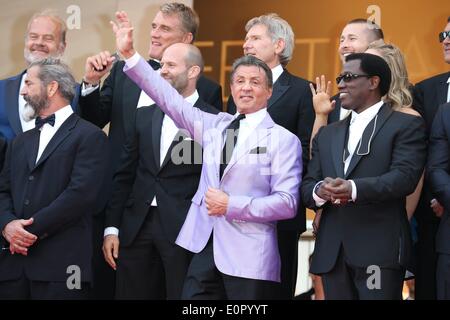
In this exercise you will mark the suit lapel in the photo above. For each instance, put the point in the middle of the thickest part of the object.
(130, 95)
(179, 137)
(442, 90)
(32, 147)
(338, 146)
(372, 129)
(157, 120)
(279, 88)
(12, 103)
(261, 132)
(63, 132)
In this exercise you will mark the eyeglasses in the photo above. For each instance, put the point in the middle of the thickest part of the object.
(443, 35)
(347, 77)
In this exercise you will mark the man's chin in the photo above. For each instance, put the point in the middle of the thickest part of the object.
(32, 57)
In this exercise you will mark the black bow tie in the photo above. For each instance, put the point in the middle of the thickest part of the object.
(155, 64)
(39, 122)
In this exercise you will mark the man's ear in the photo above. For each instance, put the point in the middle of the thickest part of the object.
(188, 38)
(52, 88)
(280, 44)
(375, 83)
(194, 72)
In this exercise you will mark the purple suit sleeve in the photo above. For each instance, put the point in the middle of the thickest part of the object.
(170, 101)
(282, 202)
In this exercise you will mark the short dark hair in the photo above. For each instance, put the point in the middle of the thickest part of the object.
(373, 65)
(374, 29)
(448, 19)
(252, 61)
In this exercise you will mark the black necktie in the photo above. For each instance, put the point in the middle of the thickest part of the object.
(39, 122)
(231, 134)
(155, 64)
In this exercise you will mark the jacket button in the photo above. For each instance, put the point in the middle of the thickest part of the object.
(31, 178)
(148, 202)
(26, 202)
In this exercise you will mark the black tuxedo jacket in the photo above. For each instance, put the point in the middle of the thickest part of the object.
(60, 192)
(291, 107)
(116, 103)
(429, 94)
(140, 177)
(387, 166)
(438, 172)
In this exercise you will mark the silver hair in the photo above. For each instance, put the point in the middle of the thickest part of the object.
(278, 28)
(51, 69)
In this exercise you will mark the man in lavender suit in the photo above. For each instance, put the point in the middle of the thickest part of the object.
(231, 225)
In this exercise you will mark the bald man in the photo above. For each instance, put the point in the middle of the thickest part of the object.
(152, 190)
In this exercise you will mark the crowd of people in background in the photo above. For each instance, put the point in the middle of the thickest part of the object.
(187, 198)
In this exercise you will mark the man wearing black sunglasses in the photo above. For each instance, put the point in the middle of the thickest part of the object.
(361, 170)
(429, 94)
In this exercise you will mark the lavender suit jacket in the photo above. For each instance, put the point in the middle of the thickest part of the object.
(262, 180)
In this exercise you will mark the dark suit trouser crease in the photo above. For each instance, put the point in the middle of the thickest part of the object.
(205, 282)
(25, 289)
(104, 275)
(347, 282)
(288, 247)
(425, 276)
(150, 264)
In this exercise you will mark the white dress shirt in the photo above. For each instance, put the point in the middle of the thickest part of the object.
(248, 126)
(26, 125)
(448, 92)
(276, 72)
(48, 131)
(358, 124)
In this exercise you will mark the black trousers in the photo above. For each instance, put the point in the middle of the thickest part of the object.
(205, 282)
(25, 289)
(103, 275)
(153, 267)
(426, 259)
(443, 277)
(347, 282)
(288, 247)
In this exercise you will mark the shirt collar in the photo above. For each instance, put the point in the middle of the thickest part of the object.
(276, 72)
(192, 99)
(448, 80)
(62, 115)
(255, 118)
(367, 114)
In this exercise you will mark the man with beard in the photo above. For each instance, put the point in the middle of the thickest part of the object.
(49, 189)
(45, 37)
(119, 98)
(152, 189)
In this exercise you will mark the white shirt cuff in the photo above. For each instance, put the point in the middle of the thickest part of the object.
(131, 62)
(111, 231)
(85, 92)
(353, 190)
(319, 201)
